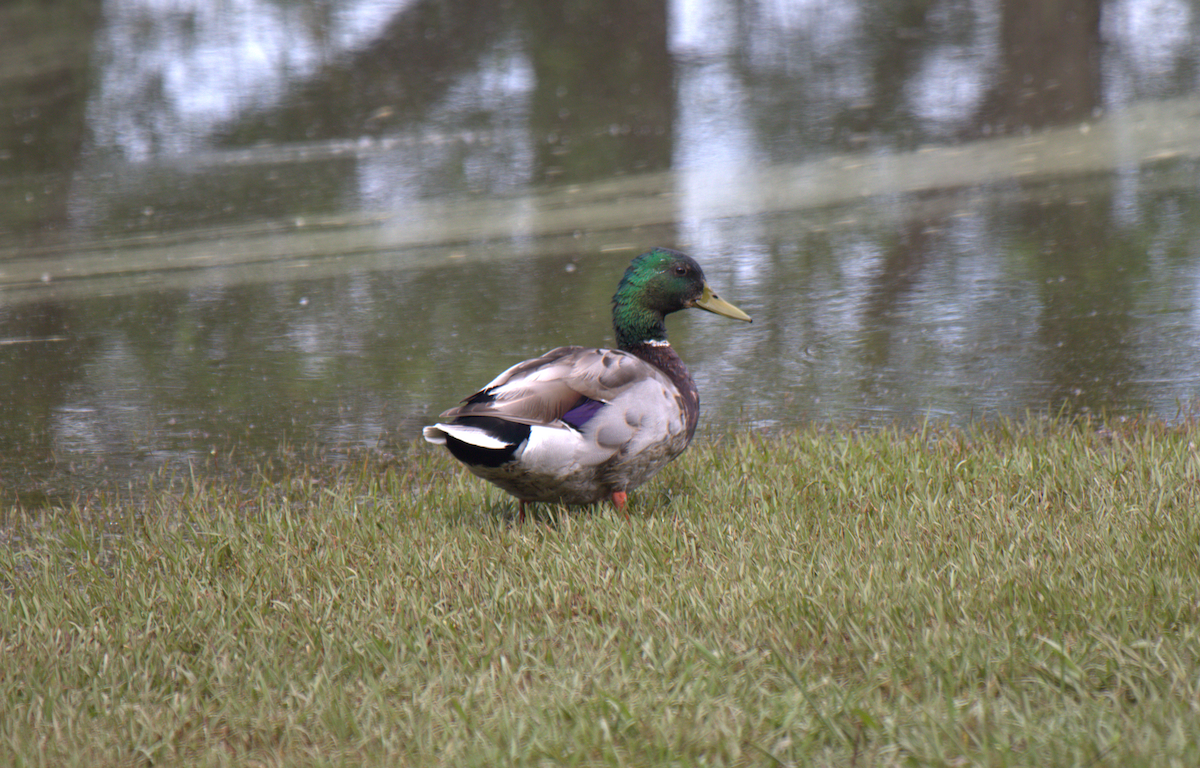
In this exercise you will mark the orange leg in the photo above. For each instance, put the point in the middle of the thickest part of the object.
(520, 510)
(618, 498)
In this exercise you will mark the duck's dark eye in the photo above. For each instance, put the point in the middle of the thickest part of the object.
(680, 270)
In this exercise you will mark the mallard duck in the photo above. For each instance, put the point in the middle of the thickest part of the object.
(579, 425)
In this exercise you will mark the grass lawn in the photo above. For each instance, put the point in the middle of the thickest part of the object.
(1014, 594)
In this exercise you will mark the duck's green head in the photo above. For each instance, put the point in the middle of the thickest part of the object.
(657, 283)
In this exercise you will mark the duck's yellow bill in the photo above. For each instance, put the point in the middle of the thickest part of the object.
(714, 303)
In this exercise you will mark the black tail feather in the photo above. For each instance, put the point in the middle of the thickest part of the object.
(508, 432)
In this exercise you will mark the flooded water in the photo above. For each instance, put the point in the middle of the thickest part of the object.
(227, 227)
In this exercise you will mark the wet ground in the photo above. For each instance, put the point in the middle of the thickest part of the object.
(227, 226)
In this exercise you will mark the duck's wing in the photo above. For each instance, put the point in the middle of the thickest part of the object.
(563, 387)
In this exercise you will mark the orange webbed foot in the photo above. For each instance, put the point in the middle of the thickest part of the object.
(619, 499)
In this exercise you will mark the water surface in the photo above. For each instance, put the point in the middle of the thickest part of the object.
(230, 227)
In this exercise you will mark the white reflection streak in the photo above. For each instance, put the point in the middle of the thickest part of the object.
(954, 76)
(1147, 40)
(718, 146)
(174, 71)
(1152, 36)
(110, 409)
(715, 153)
(499, 160)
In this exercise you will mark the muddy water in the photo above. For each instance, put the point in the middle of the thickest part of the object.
(320, 224)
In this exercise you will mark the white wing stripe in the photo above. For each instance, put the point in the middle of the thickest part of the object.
(473, 435)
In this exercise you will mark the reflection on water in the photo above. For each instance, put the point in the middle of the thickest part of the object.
(228, 226)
